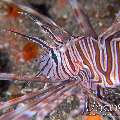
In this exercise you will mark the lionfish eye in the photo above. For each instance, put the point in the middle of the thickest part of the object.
(53, 54)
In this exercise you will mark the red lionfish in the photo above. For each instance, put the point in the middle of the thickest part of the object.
(76, 66)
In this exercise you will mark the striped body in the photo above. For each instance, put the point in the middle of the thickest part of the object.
(84, 52)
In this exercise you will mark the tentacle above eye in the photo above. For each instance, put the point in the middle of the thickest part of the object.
(31, 38)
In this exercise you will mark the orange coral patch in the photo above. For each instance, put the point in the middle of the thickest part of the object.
(13, 11)
(93, 117)
(62, 3)
(30, 51)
